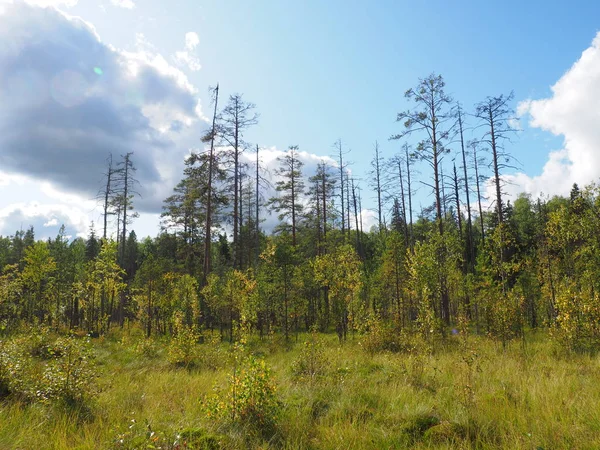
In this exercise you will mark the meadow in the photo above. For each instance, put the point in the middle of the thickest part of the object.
(318, 393)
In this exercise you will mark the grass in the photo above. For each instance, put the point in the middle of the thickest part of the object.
(516, 398)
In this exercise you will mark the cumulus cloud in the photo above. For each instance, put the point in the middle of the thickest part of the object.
(186, 57)
(191, 40)
(572, 112)
(44, 3)
(126, 4)
(68, 99)
(46, 219)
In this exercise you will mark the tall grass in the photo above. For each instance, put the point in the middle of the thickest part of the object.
(518, 397)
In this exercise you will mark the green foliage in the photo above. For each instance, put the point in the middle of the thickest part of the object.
(16, 370)
(183, 347)
(311, 364)
(70, 376)
(378, 336)
(251, 400)
(577, 326)
(146, 347)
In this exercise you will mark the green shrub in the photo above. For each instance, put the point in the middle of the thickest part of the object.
(251, 400)
(312, 363)
(71, 374)
(577, 326)
(16, 370)
(211, 354)
(146, 347)
(183, 348)
(379, 336)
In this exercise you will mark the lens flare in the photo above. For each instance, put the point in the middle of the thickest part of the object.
(98, 71)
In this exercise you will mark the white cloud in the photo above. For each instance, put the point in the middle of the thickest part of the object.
(43, 3)
(186, 58)
(126, 4)
(68, 99)
(51, 223)
(46, 219)
(571, 111)
(191, 40)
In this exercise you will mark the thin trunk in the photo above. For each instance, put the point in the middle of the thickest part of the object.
(408, 185)
(207, 238)
(236, 181)
(457, 198)
(378, 180)
(324, 200)
(478, 192)
(360, 213)
(403, 202)
(293, 180)
(356, 219)
(318, 205)
(107, 196)
(257, 209)
(444, 300)
(496, 170)
(470, 246)
(348, 202)
(125, 205)
(341, 156)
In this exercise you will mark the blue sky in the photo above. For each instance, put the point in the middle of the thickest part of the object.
(319, 71)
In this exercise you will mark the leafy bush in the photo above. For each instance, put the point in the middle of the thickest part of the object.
(69, 376)
(311, 363)
(183, 348)
(146, 347)
(16, 370)
(250, 401)
(211, 352)
(577, 326)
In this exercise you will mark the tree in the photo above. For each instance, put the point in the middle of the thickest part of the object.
(476, 164)
(37, 277)
(107, 194)
(496, 116)
(340, 272)
(124, 193)
(212, 164)
(377, 184)
(431, 118)
(342, 168)
(289, 190)
(92, 246)
(236, 117)
(470, 244)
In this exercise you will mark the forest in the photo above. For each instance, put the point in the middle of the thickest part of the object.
(472, 321)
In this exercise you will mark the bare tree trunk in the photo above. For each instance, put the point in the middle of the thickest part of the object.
(107, 196)
(457, 198)
(478, 192)
(358, 247)
(207, 237)
(293, 181)
(470, 245)
(402, 199)
(341, 162)
(409, 197)
(126, 182)
(378, 181)
(257, 208)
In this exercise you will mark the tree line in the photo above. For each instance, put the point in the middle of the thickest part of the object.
(528, 264)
